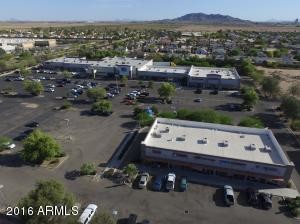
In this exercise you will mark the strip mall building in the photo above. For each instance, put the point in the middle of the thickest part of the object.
(229, 151)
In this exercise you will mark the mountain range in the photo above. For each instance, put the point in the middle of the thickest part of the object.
(202, 18)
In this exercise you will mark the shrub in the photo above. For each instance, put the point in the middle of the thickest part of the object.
(88, 169)
(39, 146)
(296, 125)
(131, 170)
(66, 105)
(251, 122)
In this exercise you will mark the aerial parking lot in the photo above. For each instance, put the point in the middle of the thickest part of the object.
(94, 139)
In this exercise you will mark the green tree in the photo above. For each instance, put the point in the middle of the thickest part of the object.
(67, 74)
(25, 72)
(103, 217)
(103, 107)
(66, 105)
(2, 53)
(150, 85)
(145, 119)
(96, 94)
(250, 97)
(270, 86)
(131, 170)
(251, 122)
(88, 169)
(166, 90)
(39, 146)
(291, 107)
(250, 70)
(46, 193)
(294, 89)
(33, 87)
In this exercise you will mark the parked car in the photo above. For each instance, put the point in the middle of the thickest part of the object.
(198, 100)
(252, 197)
(50, 86)
(265, 200)
(157, 183)
(143, 180)
(228, 195)
(132, 219)
(19, 78)
(28, 132)
(145, 221)
(183, 184)
(214, 92)
(20, 137)
(170, 182)
(198, 91)
(9, 79)
(50, 90)
(88, 214)
(33, 124)
(8, 145)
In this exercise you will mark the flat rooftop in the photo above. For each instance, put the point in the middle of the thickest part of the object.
(105, 62)
(203, 72)
(247, 144)
(167, 69)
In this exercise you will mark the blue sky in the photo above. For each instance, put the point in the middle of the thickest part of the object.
(108, 10)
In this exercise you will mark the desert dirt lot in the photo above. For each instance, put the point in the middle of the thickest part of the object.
(149, 25)
(94, 139)
(287, 76)
(257, 28)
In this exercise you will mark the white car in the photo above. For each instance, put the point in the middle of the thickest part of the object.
(170, 184)
(19, 78)
(198, 100)
(143, 180)
(50, 90)
(51, 86)
(88, 214)
(9, 145)
(110, 95)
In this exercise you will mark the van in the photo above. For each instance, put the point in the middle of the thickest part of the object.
(88, 214)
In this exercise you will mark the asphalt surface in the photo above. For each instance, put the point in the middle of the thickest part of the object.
(87, 138)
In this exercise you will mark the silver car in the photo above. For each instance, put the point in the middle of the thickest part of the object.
(143, 180)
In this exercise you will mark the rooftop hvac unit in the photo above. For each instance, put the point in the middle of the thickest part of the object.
(180, 139)
(252, 147)
(268, 148)
(203, 141)
(225, 143)
(156, 135)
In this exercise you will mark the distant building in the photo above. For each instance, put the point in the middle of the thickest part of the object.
(228, 151)
(213, 78)
(10, 44)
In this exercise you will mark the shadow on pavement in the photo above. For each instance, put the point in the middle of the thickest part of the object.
(295, 157)
(218, 198)
(72, 175)
(129, 125)
(11, 160)
(242, 199)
